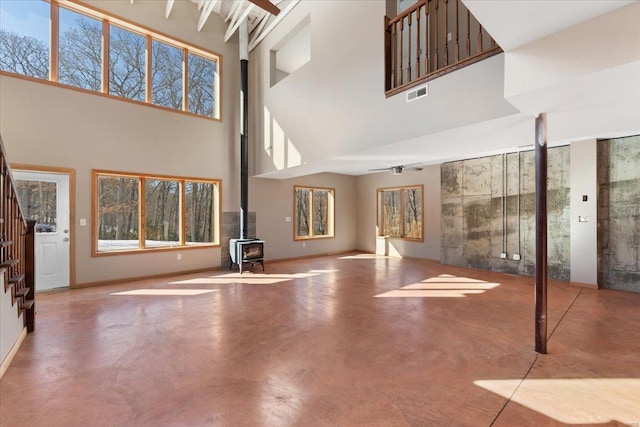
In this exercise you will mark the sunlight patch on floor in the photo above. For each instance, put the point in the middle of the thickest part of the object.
(167, 292)
(248, 278)
(575, 400)
(442, 286)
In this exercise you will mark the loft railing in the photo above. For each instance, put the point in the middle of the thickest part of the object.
(432, 38)
(17, 250)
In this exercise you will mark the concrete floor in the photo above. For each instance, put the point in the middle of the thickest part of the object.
(329, 341)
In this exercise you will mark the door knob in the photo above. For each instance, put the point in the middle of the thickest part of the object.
(66, 239)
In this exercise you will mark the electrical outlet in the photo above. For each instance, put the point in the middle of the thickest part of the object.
(287, 219)
(304, 244)
(516, 257)
(503, 255)
(179, 257)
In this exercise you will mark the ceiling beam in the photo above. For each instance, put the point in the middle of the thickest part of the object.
(167, 10)
(234, 24)
(257, 37)
(206, 11)
(235, 7)
(267, 5)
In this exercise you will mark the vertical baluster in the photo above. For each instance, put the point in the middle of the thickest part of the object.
(401, 68)
(479, 37)
(436, 62)
(394, 61)
(468, 33)
(409, 49)
(446, 32)
(457, 21)
(427, 39)
(418, 46)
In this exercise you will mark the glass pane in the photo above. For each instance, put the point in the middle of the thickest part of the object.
(201, 91)
(320, 212)
(302, 213)
(24, 37)
(80, 59)
(199, 211)
(412, 213)
(390, 202)
(162, 213)
(166, 75)
(127, 53)
(38, 200)
(118, 212)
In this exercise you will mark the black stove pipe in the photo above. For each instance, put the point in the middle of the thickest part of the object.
(244, 150)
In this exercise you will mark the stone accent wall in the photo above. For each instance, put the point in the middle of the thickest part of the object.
(472, 213)
(619, 213)
(230, 229)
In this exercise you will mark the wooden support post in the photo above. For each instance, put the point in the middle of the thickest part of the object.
(541, 234)
(30, 275)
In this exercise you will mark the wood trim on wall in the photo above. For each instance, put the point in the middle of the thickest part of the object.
(72, 208)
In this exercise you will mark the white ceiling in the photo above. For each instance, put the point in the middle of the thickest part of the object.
(516, 23)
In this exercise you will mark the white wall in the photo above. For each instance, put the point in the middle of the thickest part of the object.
(584, 235)
(367, 231)
(273, 202)
(11, 325)
(584, 77)
(335, 104)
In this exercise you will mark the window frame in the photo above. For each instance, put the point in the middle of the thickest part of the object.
(182, 244)
(331, 212)
(401, 226)
(109, 20)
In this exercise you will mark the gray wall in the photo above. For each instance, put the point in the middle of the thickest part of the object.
(619, 213)
(473, 221)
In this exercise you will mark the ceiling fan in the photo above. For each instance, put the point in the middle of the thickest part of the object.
(267, 5)
(397, 170)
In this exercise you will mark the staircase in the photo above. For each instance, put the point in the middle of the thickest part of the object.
(17, 236)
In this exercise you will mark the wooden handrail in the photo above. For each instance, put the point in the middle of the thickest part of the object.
(429, 39)
(17, 253)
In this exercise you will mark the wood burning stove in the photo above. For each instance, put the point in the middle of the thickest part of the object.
(246, 251)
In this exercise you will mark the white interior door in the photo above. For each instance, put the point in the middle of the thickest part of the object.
(44, 197)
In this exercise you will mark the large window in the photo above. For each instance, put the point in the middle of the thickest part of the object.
(313, 212)
(400, 212)
(81, 47)
(24, 38)
(134, 212)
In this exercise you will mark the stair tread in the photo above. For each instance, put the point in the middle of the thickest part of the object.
(9, 262)
(22, 292)
(27, 304)
(16, 278)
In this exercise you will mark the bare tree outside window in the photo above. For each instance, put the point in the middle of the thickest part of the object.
(313, 212)
(80, 58)
(162, 213)
(127, 70)
(199, 212)
(118, 213)
(166, 75)
(202, 84)
(400, 212)
(38, 200)
(25, 50)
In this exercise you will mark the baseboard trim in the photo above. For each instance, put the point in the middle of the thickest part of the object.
(138, 278)
(16, 346)
(351, 251)
(584, 285)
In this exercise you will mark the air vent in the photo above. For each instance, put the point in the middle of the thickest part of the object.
(417, 93)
